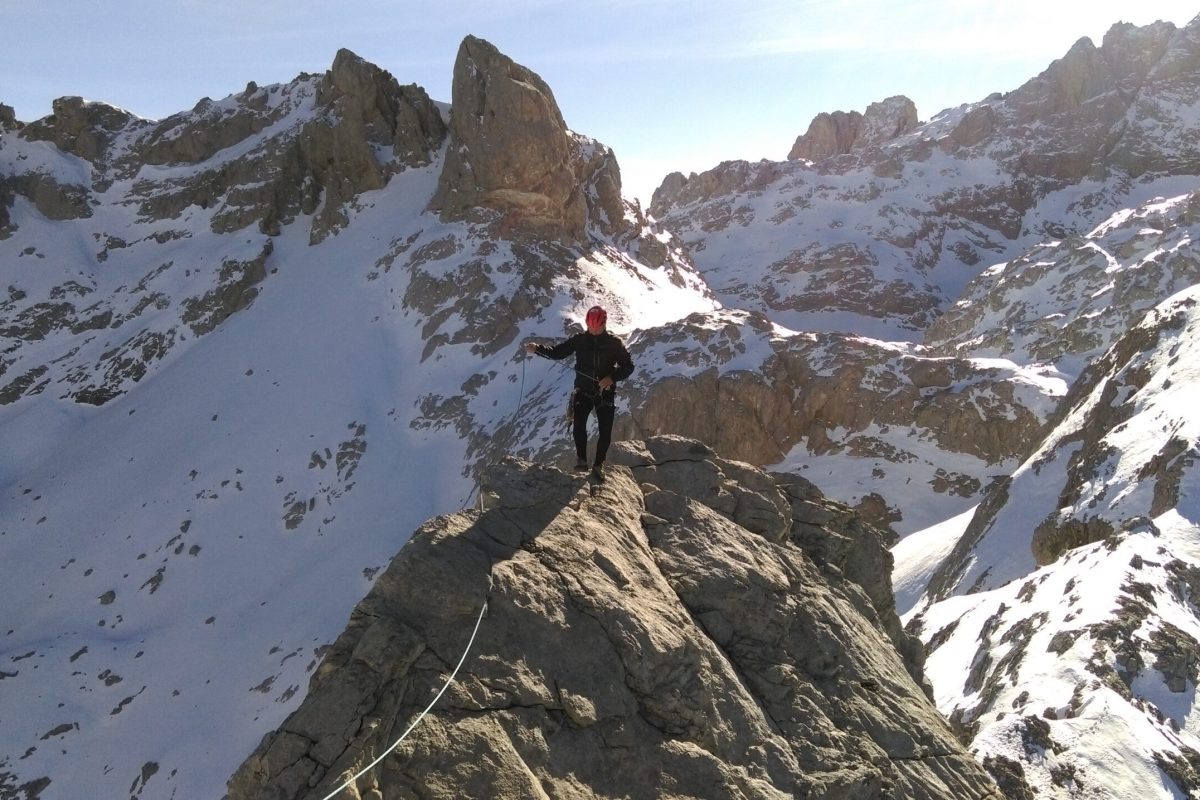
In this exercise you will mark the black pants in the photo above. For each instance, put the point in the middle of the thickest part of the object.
(606, 410)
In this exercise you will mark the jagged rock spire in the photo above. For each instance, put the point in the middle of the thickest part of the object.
(510, 149)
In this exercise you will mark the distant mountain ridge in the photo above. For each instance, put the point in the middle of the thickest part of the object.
(250, 348)
(879, 233)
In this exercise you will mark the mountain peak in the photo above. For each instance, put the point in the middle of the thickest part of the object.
(511, 152)
(840, 133)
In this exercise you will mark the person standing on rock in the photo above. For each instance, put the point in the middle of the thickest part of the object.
(600, 361)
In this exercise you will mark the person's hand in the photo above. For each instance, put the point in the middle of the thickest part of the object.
(530, 347)
(605, 382)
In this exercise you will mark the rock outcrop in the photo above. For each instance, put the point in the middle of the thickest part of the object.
(801, 395)
(511, 152)
(637, 643)
(81, 128)
(840, 133)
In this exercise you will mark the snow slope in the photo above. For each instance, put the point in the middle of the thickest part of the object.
(175, 559)
(1063, 623)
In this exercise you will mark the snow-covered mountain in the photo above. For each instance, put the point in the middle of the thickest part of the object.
(1073, 595)
(250, 348)
(876, 226)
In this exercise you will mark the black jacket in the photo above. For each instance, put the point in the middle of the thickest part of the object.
(596, 357)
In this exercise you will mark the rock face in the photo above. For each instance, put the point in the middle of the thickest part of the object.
(637, 643)
(511, 151)
(839, 133)
(800, 395)
(1101, 442)
(734, 381)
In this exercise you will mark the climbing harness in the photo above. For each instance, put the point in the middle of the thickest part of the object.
(571, 401)
(433, 702)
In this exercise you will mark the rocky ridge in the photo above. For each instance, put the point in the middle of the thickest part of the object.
(259, 159)
(893, 228)
(1066, 302)
(669, 637)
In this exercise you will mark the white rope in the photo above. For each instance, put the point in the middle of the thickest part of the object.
(417, 721)
(477, 487)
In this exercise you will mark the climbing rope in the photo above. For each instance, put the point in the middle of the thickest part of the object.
(432, 703)
(478, 621)
(477, 489)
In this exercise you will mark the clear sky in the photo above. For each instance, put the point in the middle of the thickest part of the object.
(668, 84)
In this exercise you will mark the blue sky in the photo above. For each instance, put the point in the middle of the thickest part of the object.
(669, 85)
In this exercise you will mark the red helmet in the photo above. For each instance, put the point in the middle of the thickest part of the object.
(596, 317)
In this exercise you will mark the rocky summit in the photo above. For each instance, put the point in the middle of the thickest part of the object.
(510, 151)
(694, 629)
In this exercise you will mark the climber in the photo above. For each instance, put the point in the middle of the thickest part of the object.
(600, 361)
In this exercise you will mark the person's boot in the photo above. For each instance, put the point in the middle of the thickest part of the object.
(581, 465)
(598, 473)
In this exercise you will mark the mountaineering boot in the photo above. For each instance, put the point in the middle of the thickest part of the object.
(598, 473)
(581, 465)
